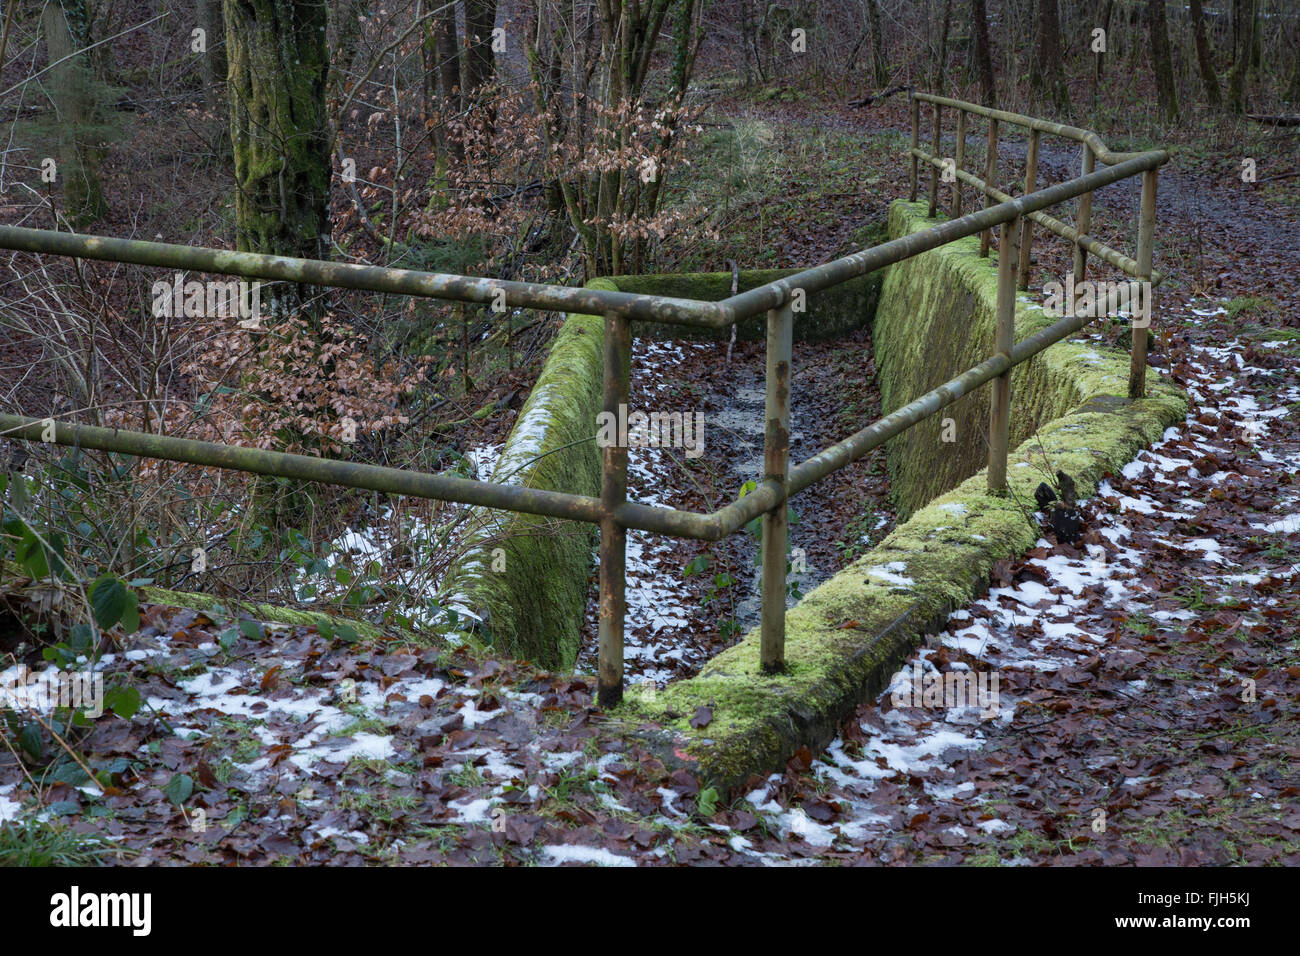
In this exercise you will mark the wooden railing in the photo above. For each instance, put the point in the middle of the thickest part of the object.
(781, 480)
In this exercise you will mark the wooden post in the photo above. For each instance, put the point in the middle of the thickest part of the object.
(934, 170)
(776, 467)
(613, 537)
(1000, 402)
(990, 170)
(916, 144)
(1084, 220)
(959, 159)
(1137, 375)
(1027, 224)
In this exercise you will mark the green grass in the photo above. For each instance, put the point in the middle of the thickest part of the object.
(34, 843)
(1249, 305)
(1194, 597)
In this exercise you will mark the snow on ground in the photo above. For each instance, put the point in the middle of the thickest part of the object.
(661, 607)
(396, 533)
(9, 807)
(1021, 628)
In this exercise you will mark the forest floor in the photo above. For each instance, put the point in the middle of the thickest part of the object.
(1149, 677)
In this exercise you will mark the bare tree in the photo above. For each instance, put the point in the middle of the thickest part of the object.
(1047, 74)
(941, 61)
(1204, 61)
(1245, 24)
(73, 89)
(879, 67)
(1161, 62)
(983, 51)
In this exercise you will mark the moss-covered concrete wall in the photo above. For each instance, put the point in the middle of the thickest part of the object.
(847, 637)
(531, 594)
(833, 312)
(935, 320)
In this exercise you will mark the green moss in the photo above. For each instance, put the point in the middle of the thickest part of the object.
(266, 613)
(845, 638)
(830, 313)
(936, 319)
(1273, 335)
(525, 575)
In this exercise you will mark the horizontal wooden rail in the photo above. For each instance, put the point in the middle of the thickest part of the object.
(347, 275)
(1124, 263)
(1103, 153)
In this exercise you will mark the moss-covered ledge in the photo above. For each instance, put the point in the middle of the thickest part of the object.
(264, 613)
(254, 610)
(846, 638)
(525, 576)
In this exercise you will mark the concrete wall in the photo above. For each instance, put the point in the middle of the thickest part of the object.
(534, 608)
(846, 637)
(936, 319)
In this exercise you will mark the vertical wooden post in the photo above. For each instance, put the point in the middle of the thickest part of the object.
(959, 158)
(1027, 224)
(916, 144)
(1000, 402)
(990, 170)
(934, 152)
(1084, 220)
(1137, 375)
(776, 467)
(613, 537)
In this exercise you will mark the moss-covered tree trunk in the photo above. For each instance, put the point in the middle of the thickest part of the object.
(279, 130)
(66, 27)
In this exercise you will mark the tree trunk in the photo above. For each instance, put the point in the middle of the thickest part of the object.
(1245, 15)
(1204, 61)
(446, 44)
(1293, 90)
(983, 51)
(943, 48)
(214, 74)
(279, 129)
(1107, 7)
(1161, 62)
(66, 27)
(344, 33)
(480, 61)
(878, 66)
(1047, 72)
